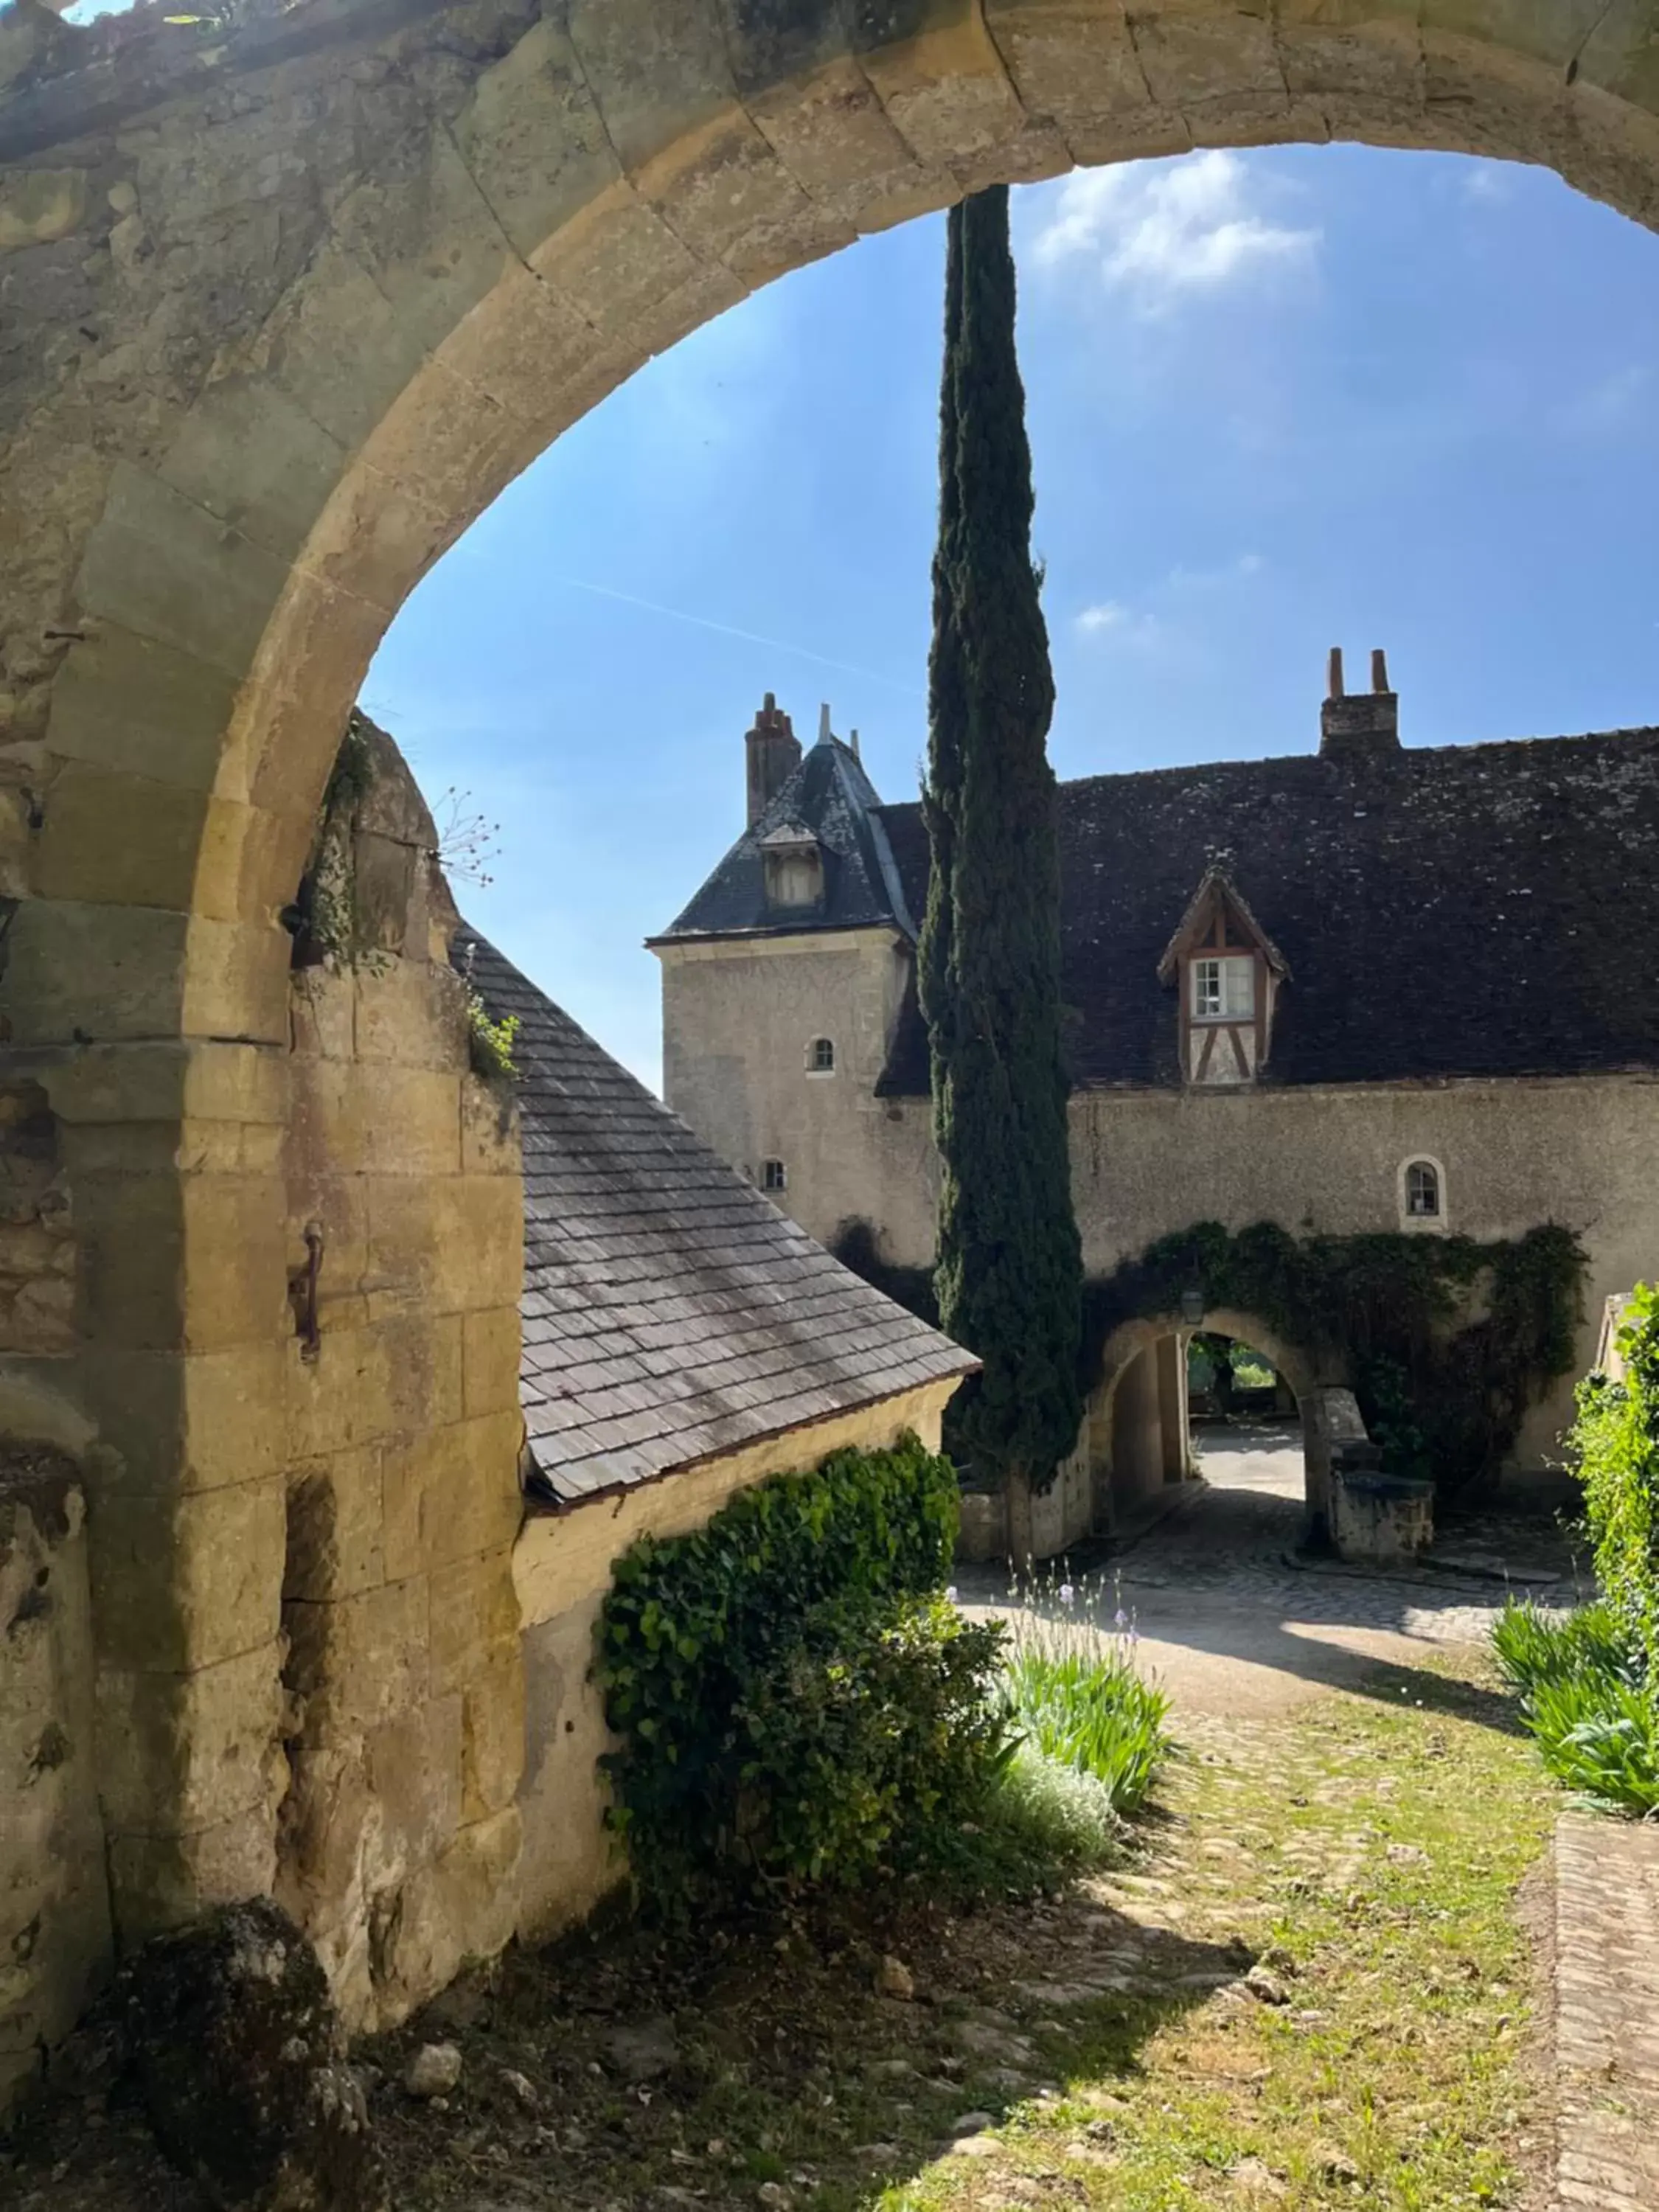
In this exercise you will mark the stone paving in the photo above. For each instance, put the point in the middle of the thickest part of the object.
(1606, 2024)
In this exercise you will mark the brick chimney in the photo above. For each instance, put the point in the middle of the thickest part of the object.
(1361, 727)
(772, 754)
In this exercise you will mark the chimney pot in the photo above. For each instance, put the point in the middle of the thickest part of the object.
(824, 731)
(771, 755)
(1363, 727)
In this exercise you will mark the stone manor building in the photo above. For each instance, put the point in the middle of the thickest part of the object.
(1363, 987)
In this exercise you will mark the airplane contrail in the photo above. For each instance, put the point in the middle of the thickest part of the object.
(748, 636)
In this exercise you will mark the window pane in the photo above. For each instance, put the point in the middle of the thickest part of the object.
(1241, 988)
(1207, 990)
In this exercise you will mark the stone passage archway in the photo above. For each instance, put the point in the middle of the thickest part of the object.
(1138, 1420)
(283, 304)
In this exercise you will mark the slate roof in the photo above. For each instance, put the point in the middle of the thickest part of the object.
(671, 1313)
(829, 797)
(1458, 910)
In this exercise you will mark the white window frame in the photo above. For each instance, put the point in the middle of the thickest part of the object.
(812, 1066)
(1230, 967)
(1422, 1224)
(767, 1182)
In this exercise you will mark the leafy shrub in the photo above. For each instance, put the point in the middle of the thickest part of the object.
(795, 1700)
(1615, 1443)
(490, 1042)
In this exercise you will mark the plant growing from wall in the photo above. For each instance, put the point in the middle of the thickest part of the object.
(796, 1700)
(324, 918)
(1009, 1271)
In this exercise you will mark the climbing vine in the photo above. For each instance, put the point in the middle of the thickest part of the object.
(324, 918)
(1448, 1339)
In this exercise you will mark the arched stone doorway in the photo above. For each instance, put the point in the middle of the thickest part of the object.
(1139, 1422)
(287, 305)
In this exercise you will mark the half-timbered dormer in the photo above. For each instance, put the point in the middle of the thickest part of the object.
(1228, 971)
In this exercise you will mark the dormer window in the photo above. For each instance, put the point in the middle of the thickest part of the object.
(1228, 971)
(1224, 988)
(792, 859)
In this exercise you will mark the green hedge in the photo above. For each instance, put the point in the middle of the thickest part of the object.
(795, 1700)
(1615, 1443)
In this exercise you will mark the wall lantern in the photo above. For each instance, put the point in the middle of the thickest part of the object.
(1192, 1307)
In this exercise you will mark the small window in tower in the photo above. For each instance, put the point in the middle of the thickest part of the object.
(1423, 1191)
(773, 1176)
(821, 1056)
(1224, 988)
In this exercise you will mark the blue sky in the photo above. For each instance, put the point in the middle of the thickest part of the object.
(1278, 401)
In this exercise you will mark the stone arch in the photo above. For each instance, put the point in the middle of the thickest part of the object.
(287, 306)
(1137, 1408)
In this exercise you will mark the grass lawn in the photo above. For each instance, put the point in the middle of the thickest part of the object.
(1310, 1987)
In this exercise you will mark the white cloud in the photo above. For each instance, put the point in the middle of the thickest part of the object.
(1489, 183)
(1165, 230)
(1110, 618)
(1609, 403)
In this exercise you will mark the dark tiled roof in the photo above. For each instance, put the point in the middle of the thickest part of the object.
(830, 797)
(1466, 910)
(670, 1314)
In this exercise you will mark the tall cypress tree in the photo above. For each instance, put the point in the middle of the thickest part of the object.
(1009, 1272)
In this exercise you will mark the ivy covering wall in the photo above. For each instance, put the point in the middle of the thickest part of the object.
(1446, 1340)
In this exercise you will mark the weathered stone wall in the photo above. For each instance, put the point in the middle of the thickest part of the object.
(1318, 1161)
(37, 1232)
(285, 302)
(398, 1502)
(561, 1568)
(54, 1902)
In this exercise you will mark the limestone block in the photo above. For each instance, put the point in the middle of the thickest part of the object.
(338, 1206)
(429, 239)
(474, 1618)
(244, 850)
(1381, 64)
(1203, 60)
(39, 206)
(334, 1547)
(489, 1361)
(379, 1119)
(450, 1244)
(615, 260)
(392, 1378)
(383, 885)
(250, 454)
(492, 1737)
(182, 1582)
(450, 1493)
(286, 733)
(339, 346)
(324, 1006)
(78, 970)
(414, 1767)
(110, 835)
(235, 976)
(192, 1264)
(837, 142)
(729, 196)
(658, 69)
(944, 88)
(167, 1079)
(129, 702)
(1074, 61)
(524, 346)
(159, 1880)
(195, 1422)
(413, 1014)
(361, 1660)
(534, 139)
(161, 566)
(489, 1129)
(183, 1753)
(463, 1906)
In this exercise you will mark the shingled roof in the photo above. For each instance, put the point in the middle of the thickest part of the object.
(829, 798)
(670, 1314)
(1457, 910)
